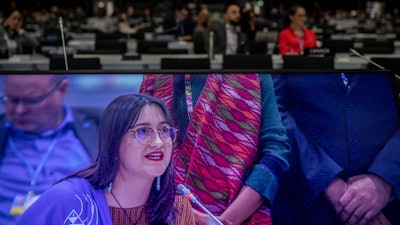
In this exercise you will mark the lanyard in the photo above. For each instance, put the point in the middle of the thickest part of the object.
(28, 166)
(301, 42)
(188, 94)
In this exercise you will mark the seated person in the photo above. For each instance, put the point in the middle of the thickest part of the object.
(103, 23)
(15, 35)
(201, 34)
(250, 25)
(181, 24)
(41, 139)
(295, 37)
(227, 36)
(131, 181)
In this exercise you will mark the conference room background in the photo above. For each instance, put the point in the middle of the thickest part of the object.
(89, 6)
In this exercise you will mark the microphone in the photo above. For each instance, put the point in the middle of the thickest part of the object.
(185, 192)
(60, 22)
(365, 58)
(370, 61)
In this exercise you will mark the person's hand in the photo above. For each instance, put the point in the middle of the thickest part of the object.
(204, 219)
(364, 198)
(185, 38)
(334, 191)
(19, 29)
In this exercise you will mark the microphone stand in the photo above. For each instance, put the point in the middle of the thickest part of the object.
(185, 192)
(370, 61)
(60, 21)
(365, 58)
(395, 78)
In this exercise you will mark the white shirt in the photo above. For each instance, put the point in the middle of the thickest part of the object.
(231, 40)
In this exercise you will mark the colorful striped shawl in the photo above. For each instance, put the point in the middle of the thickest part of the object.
(221, 140)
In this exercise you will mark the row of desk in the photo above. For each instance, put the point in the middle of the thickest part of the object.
(88, 44)
(152, 61)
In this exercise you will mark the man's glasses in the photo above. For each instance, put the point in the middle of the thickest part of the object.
(146, 135)
(28, 101)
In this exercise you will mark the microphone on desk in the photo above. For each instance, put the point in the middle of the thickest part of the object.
(365, 58)
(60, 22)
(370, 61)
(185, 192)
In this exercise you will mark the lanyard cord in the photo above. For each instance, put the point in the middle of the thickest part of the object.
(301, 42)
(188, 95)
(28, 166)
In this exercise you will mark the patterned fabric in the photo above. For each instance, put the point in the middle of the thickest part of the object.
(136, 215)
(221, 141)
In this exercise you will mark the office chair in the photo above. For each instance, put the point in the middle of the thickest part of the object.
(199, 47)
(304, 62)
(257, 47)
(247, 62)
(270, 36)
(253, 47)
(185, 63)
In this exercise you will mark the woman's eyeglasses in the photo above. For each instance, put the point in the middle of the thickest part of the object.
(146, 135)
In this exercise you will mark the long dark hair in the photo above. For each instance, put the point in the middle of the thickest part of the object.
(290, 12)
(117, 118)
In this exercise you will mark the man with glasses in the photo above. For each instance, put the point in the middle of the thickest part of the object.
(41, 139)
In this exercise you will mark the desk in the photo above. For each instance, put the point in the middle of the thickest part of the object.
(88, 44)
(147, 61)
(25, 62)
(152, 61)
(83, 36)
(342, 61)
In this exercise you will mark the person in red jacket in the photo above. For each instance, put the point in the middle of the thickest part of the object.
(295, 37)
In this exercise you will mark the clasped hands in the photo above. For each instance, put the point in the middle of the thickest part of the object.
(359, 201)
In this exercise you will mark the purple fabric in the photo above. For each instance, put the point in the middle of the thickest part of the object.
(72, 201)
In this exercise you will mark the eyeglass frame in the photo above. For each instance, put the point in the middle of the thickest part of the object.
(29, 101)
(134, 132)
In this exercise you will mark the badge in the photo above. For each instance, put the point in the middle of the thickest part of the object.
(22, 203)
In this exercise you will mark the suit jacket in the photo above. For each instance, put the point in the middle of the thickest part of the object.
(219, 29)
(86, 121)
(334, 131)
(171, 27)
